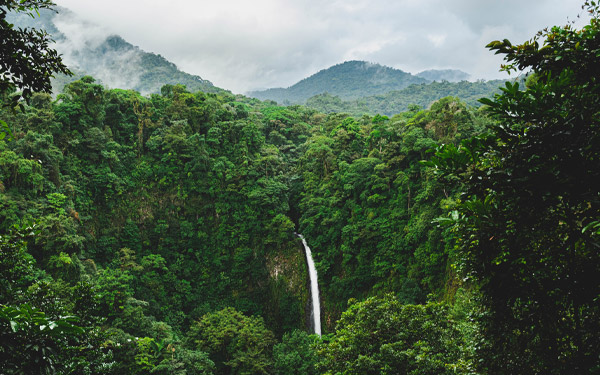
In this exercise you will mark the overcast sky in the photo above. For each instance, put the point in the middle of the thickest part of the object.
(243, 45)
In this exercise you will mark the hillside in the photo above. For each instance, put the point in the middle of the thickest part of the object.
(394, 102)
(183, 206)
(349, 80)
(91, 50)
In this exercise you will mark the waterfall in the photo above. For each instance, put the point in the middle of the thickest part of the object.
(314, 288)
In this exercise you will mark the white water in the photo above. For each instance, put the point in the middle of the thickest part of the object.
(314, 288)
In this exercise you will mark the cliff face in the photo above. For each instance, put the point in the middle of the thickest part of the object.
(289, 286)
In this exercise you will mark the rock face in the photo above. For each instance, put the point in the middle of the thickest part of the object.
(288, 276)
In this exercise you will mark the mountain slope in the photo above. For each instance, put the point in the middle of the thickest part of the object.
(91, 50)
(349, 80)
(395, 102)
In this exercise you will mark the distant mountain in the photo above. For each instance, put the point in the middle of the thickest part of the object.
(450, 75)
(394, 102)
(349, 80)
(90, 50)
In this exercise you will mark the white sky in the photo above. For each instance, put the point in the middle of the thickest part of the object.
(243, 45)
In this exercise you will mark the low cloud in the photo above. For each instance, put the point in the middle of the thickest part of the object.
(241, 45)
(83, 45)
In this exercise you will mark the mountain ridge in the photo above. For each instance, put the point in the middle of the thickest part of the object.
(348, 80)
(353, 80)
(108, 57)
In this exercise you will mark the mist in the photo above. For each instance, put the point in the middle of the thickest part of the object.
(92, 49)
(242, 45)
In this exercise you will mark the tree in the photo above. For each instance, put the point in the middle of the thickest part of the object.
(237, 344)
(526, 227)
(31, 341)
(296, 354)
(26, 60)
(383, 336)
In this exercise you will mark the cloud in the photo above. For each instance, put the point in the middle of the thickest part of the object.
(80, 44)
(243, 45)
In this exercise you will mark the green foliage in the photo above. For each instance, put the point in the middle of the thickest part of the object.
(4, 130)
(393, 102)
(26, 58)
(174, 215)
(238, 344)
(16, 264)
(296, 354)
(183, 363)
(367, 203)
(31, 343)
(530, 197)
(161, 188)
(383, 336)
(38, 330)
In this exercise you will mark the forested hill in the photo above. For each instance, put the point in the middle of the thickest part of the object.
(90, 49)
(173, 216)
(349, 80)
(393, 102)
(359, 87)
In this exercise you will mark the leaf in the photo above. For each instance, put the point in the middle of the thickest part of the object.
(593, 225)
(487, 101)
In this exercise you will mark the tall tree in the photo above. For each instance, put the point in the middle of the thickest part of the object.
(527, 226)
(238, 344)
(26, 60)
(383, 336)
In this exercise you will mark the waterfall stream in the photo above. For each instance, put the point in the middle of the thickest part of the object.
(314, 288)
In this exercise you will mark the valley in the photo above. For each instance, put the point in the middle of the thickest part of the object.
(364, 220)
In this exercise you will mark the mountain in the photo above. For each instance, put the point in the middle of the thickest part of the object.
(89, 49)
(349, 80)
(450, 75)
